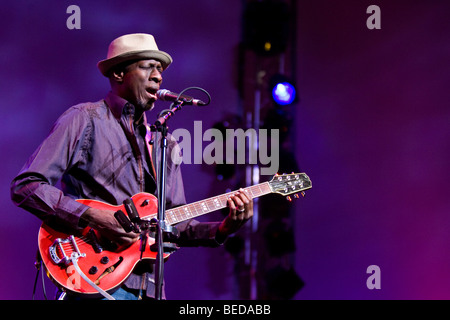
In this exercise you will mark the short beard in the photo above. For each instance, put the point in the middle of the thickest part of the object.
(149, 106)
(146, 106)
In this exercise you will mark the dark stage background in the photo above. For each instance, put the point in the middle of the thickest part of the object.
(372, 132)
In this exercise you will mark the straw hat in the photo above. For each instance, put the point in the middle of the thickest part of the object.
(133, 47)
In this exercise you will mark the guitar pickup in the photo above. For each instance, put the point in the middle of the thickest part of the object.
(131, 210)
(133, 214)
(124, 221)
(93, 240)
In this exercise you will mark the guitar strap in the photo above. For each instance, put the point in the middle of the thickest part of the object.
(150, 141)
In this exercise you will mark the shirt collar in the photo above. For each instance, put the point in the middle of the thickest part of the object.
(119, 106)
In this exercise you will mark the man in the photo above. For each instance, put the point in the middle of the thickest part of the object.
(104, 151)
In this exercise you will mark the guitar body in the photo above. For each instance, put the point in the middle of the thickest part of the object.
(94, 261)
(107, 267)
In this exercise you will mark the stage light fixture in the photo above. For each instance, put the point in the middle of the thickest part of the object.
(283, 93)
(283, 90)
(266, 27)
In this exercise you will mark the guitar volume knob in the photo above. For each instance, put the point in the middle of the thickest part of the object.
(93, 270)
(104, 260)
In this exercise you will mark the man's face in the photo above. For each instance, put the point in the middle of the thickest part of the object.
(141, 80)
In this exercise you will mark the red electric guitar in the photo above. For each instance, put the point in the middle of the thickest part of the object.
(84, 264)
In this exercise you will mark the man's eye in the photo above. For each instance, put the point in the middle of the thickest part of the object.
(160, 69)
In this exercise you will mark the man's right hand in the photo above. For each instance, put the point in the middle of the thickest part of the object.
(107, 225)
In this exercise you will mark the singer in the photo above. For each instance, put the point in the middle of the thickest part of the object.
(104, 151)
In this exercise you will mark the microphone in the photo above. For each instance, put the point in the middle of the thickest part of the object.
(166, 95)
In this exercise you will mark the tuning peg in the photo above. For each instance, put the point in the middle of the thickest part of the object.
(289, 198)
(302, 193)
(296, 196)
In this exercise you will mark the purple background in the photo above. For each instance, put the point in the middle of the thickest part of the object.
(372, 125)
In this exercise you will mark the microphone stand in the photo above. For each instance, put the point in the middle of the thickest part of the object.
(160, 225)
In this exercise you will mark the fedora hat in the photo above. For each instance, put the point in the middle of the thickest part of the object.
(133, 46)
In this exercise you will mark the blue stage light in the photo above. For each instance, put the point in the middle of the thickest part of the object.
(283, 93)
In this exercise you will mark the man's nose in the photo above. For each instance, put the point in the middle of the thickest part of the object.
(156, 76)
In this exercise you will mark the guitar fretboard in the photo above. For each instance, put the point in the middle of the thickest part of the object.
(199, 208)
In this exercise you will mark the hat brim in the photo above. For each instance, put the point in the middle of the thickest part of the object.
(105, 65)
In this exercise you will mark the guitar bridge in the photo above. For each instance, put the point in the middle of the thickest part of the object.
(58, 250)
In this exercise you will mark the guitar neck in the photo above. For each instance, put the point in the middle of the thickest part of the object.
(200, 208)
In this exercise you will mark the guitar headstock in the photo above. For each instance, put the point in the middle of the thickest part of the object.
(287, 184)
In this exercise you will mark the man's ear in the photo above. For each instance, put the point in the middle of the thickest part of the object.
(117, 75)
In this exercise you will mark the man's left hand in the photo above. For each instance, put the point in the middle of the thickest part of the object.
(241, 210)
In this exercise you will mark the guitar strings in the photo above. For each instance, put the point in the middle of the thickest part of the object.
(193, 210)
